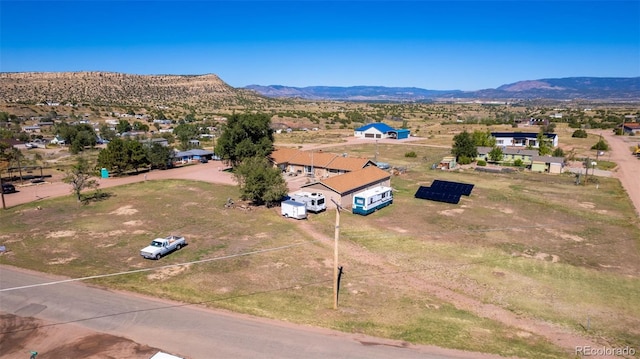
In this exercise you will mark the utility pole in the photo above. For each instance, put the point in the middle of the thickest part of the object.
(586, 171)
(335, 255)
(375, 157)
(4, 206)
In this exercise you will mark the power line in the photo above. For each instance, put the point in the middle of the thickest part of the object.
(155, 268)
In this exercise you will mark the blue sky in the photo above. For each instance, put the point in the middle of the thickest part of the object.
(439, 45)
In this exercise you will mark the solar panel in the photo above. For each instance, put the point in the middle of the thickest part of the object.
(452, 187)
(437, 195)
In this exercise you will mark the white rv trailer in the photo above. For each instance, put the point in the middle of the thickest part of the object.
(314, 201)
(372, 200)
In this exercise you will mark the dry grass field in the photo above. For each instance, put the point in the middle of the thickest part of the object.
(526, 259)
(529, 265)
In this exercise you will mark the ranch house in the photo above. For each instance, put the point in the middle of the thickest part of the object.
(509, 155)
(316, 164)
(342, 188)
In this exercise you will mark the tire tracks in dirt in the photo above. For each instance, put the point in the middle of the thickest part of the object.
(563, 337)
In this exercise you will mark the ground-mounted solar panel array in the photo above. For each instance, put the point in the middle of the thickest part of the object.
(444, 191)
(452, 187)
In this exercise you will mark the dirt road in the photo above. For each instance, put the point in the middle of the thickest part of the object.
(628, 169)
(54, 187)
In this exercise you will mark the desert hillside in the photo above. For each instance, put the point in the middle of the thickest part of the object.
(117, 88)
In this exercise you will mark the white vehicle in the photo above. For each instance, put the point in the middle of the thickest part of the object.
(161, 246)
(372, 200)
(161, 355)
(293, 209)
(315, 202)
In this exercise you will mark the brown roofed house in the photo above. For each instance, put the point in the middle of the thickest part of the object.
(342, 187)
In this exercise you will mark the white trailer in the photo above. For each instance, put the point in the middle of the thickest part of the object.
(372, 200)
(314, 201)
(293, 209)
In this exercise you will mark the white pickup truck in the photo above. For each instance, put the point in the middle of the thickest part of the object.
(161, 246)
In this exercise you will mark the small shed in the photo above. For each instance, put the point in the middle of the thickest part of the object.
(447, 163)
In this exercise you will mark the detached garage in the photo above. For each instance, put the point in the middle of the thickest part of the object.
(399, 134)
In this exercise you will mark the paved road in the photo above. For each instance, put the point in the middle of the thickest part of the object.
(192, 331)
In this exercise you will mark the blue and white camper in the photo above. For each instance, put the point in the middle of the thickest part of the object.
(371, 200)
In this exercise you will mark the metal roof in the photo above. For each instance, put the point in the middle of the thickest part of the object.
(382, 127)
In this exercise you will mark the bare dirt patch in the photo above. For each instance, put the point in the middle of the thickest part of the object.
(61, 234)
(125, 211)
(22, 335)
(451, 212)
(164, 273)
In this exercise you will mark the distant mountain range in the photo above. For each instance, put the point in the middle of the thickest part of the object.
(571, 88)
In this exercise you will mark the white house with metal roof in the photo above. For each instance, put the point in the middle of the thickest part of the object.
(523, 139)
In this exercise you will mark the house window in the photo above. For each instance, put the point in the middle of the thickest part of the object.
(307, 169)
(499, 142)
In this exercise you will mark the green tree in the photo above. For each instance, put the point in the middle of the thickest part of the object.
(82, 139)
(78, 136)
(106, 132)
(80, 177)
(579, 134)
(123, 126)
(600, 146)
(244, 136)
(484, 139)
(159, 156)
(115, 157)
(259, 181)
(543, 144)
(139, 126)
(463, 146)
(185, 132)
(137, 155)
(496, 154)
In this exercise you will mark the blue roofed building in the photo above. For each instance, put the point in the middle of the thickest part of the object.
(379, 130)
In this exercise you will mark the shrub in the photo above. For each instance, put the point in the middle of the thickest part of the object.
(411, 154)
(600, 146)
(464, 160)
(518, 163)
(482, 163)
(579, 134)
(558, 152)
